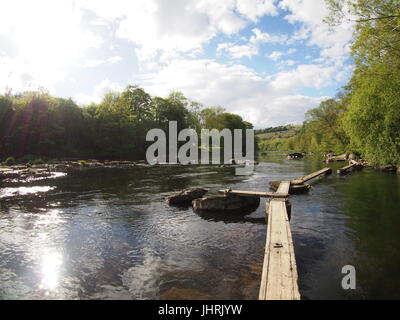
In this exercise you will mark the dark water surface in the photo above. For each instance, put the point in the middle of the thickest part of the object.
(108, 234)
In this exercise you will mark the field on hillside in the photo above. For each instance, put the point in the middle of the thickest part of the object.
(280, 134)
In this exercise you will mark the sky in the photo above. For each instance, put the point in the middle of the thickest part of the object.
(267, 60)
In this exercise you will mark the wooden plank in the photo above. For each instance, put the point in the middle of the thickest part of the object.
(284, 187)
(279, 276)
(313, 175)
(254, 193)
(346, 168)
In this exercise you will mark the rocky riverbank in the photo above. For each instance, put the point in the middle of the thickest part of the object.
(27, 172)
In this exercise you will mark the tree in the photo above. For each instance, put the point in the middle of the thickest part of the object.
(372, 121)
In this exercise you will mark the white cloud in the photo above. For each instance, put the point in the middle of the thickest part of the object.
(264, 101)
(275, 55)
(163, 29)
(254, 9)
(286, 63)
(114, 59)
(265, 37)
(334, 44)
(238, 51)
(98, 92)
(92, 63)
(40, 47)
(304, 76)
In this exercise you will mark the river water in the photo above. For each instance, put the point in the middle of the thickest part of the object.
(108, 234)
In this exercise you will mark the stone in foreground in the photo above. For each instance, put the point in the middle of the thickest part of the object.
(185, 197)
(225, 203)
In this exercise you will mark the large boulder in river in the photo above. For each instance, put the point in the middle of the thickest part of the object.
(225, 203)
(185, 197)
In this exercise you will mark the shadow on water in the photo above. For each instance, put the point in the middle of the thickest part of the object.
(232, 216)
(371, 203)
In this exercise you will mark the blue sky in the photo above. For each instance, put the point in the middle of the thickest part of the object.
(267, 60)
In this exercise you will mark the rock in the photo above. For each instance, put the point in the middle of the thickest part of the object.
(225, 203)
(388, 168)
(185, 197)
(353, 156)
(295, 155)
(342, 157)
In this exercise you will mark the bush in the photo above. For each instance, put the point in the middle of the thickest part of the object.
(28, 158)
(35, 161)
(9, 161)
(38, 161)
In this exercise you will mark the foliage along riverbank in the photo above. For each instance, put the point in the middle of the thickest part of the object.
(36, 126)
(365, 117)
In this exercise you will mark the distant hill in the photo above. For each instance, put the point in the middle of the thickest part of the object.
(278, 132)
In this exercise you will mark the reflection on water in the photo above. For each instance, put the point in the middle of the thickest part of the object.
(22, 191)
(51, 262)
(108, 234)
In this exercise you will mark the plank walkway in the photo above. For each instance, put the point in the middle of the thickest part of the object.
(279, 275)
(311, 176)
(256, 193)
(284, 187)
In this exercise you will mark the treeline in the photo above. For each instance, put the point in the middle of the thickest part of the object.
(365, 117)
(35, 124)
(274, 129)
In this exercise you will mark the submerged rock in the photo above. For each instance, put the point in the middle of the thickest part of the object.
(185, 197)
(388, 168)
(295, 155)
(226, 202)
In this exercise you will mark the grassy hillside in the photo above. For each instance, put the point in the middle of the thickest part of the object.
(279, 132)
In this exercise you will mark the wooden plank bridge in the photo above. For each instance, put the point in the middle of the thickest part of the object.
(279, 274)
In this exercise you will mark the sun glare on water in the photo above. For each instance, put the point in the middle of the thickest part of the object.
(51, 263)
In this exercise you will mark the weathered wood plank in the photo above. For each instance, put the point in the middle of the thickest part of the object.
(279, 276)
(254, 193)
(346, 168)
(284, 187)
(313, 175)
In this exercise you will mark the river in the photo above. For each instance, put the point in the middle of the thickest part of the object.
(108, 234)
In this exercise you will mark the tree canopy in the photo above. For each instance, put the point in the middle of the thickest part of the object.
(35, 123)
(365, 117)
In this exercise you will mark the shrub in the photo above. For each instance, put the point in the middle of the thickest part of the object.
(38, 161)
(9, 161)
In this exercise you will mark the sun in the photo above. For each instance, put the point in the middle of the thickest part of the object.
(47, 38)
